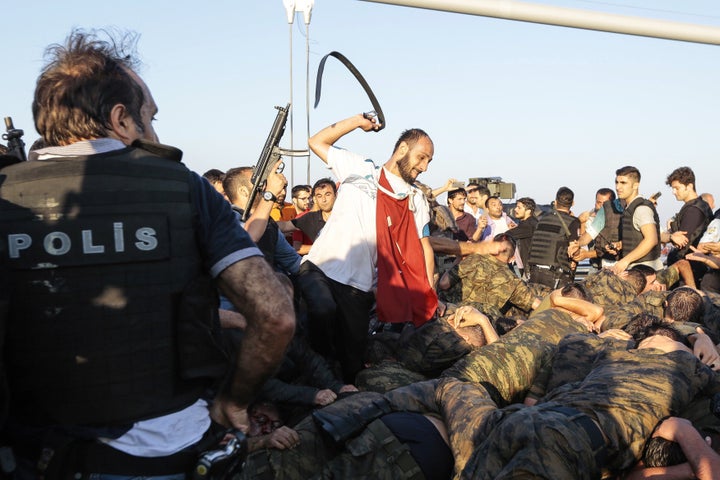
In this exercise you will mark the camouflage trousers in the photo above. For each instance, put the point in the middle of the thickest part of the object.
(507, 368)
(536, 443)
(374, 454)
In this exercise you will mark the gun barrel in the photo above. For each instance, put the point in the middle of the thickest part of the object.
(269, 155)
(273, 139)
(9, 123)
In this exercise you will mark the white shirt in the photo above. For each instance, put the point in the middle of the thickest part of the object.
(477, 215)
(346, 249)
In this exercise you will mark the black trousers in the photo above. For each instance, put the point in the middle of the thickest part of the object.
(338, 318)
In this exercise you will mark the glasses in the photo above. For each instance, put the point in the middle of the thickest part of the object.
(263, 420)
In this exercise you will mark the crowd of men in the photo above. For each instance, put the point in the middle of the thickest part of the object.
(362, 330)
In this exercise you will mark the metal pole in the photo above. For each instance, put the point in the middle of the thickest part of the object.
(570, 17)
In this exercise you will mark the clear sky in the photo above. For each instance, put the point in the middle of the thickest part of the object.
(537, 105)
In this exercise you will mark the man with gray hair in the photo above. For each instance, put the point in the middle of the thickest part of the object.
(113, 253)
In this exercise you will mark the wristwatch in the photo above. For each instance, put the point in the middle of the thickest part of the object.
(269, 196)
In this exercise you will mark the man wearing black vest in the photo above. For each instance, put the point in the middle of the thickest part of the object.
(549, 262)
(111, 252)
(639, 226)
(690, 222)
(604, 229)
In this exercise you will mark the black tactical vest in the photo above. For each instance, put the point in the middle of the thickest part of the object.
(610, 232)
(695, 235)
(550, 241)
(111, 318)
(631, 238)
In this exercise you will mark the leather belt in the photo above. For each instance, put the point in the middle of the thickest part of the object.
(358, 76)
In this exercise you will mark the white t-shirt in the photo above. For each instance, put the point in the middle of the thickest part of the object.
(346, 249)
(644, 216)
(163, 436)
(712, 232)
(476, 214)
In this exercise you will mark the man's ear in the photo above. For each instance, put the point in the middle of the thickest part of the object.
(122, 125)
(403, 149)
(243, 193)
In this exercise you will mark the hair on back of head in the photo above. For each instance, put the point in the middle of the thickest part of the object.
(637, 279)
(684, 304)
(82, 82)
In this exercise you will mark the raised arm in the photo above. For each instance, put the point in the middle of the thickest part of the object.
(321, 142)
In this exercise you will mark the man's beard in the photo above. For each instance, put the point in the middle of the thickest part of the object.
(406, 172)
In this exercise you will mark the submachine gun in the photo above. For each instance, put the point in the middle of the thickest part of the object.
(269, 156)
(16, 147)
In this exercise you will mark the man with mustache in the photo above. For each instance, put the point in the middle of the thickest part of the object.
(377, 234)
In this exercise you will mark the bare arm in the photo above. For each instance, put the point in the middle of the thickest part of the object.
(590, 311)
(705, 462)
(650, 239)
(491, 336)
(710, 247)
(321, 142)
(257, 222)
(429, 259)
(453, 247)
(270, 327)
(710, 260)
(682, 471)
(445, 188)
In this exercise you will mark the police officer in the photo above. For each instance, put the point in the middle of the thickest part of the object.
(111, 251)
(549, 262)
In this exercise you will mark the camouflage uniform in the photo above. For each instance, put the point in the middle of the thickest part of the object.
(385, 376)
(606, 288)
(571, 363)
(626, 393)
(432, 348)
(668, 276)
(618, 316)
(374, 453)
(470, 392)
(507, 368)
(712, 311)
(486, 280)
